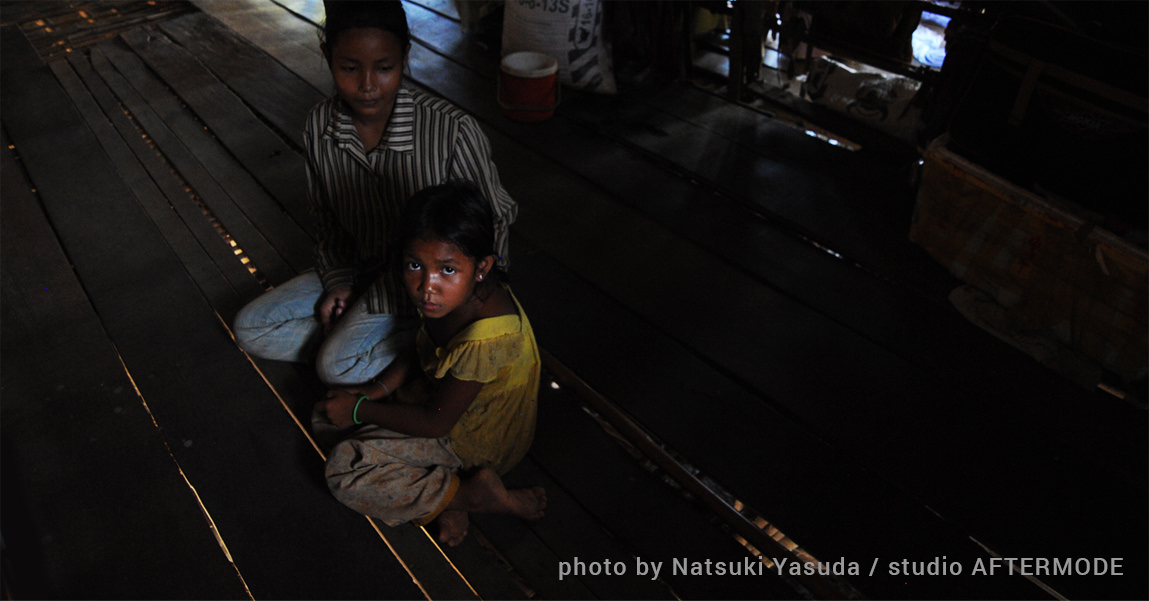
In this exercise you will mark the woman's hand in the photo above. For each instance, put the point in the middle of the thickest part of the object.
(339, 407)
(335, 302)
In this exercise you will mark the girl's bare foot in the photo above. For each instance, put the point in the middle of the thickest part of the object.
(453, 525)
(484, 492)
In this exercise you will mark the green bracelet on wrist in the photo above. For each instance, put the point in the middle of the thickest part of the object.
(355, 413)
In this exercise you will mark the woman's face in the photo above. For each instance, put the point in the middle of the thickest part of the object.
(367, 65)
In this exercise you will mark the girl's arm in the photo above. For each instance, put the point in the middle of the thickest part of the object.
(433, 419)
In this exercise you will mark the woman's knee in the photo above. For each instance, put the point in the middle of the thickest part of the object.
(247, 326)
(342, 365)
(257, 334)
(252, 326)
(352, 356)
(270, 329)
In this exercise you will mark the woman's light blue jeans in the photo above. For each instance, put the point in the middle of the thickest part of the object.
(282, 325)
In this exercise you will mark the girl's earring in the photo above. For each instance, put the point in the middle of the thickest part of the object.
(480, 277)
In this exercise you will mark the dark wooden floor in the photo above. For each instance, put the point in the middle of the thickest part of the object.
(743, 292)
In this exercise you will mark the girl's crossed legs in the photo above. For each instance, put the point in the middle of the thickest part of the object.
(398, 478)
(391, 476)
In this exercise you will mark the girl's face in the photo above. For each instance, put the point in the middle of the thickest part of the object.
(367, 65)
(441, 278)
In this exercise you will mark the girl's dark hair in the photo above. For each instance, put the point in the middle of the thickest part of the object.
(455, 212)
(342, 15)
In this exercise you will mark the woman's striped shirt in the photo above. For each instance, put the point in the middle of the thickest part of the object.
(357, 197)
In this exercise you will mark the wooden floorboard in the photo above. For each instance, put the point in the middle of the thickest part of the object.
(288, 38)
(213, 408)
(161, 194)
(574, 532)
(276, 93)
(193, 155)
(59, 28)
(840, 381)
(645, 515)
(854, 203)
(267, 155)
(1001, 393)
(928, 418)
(805, 487)
(70, 411)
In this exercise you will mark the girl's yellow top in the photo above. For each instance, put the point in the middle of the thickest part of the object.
(497, 429)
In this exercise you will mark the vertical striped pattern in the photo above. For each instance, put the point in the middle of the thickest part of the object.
(357, 197)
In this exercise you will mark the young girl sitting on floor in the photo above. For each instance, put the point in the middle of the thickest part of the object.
(443, 421)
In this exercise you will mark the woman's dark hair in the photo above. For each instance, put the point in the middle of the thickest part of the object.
(342, 15)
(455, 212)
